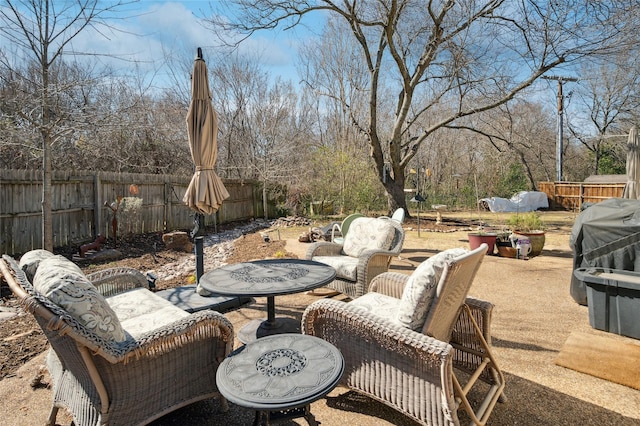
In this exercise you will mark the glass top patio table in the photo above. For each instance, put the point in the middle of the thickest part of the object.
(268, 278)
(280, 376)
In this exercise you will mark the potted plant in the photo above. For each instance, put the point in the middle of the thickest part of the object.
(476, 238)
(529, 225)
(504, 245)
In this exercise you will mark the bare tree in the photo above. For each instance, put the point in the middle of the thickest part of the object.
(609, 98)
(341, 168)
(237, 84)
(520, 132)
(274, 142)
(43, 30)
(264, 128)
(457, 57)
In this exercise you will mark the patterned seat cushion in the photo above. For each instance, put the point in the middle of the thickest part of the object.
(420, 289)
(380, 304)
(346, 267)
(63, 282)
(366, 233)
(140, 311)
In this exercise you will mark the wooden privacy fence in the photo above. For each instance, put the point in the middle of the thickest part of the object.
(571, 195)
(83, 204)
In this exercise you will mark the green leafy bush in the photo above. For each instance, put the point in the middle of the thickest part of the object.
(526, 222)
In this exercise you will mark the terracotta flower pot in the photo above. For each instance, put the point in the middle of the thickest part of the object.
(476, 239)
(506, 250)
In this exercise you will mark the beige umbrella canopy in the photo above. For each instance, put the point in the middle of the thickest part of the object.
(632, 189)
(206, 192)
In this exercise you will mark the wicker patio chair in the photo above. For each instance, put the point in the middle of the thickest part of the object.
(398, 215)
(164, 367)
(366, 252)
(413, 371)
(340, 230)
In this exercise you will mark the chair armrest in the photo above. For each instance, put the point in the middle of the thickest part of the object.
(371, 263)
(324, 248)
(336, 228)
(116, 280)
(482, 312)
(468, 351)
(389, 283)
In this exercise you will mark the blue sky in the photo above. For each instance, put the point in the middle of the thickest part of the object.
(155, 28)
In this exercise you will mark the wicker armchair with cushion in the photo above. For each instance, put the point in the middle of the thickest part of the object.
(366, 252)
(339, 230)
(403, 339)
(120, 355)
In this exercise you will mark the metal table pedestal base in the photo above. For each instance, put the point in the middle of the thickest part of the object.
(262, 327)
(275, 417)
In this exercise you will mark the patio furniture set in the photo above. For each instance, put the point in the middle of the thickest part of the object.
(122, 355)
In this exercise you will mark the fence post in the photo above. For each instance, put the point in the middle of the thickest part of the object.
(168, 219)
(97, 205)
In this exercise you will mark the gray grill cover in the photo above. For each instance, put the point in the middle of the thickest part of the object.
(605, 234)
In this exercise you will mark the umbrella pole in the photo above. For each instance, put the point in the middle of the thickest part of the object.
(199, 258)
(198, 225)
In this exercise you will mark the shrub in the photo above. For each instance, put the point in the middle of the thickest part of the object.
(526, 222)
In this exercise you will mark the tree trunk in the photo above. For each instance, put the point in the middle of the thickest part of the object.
(47, 222)
(396, 196)
(265, 204)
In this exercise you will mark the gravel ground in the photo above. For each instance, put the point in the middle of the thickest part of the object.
(534, 316)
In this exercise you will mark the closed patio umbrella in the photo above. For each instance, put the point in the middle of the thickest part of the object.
(632, 189)
(206, 192)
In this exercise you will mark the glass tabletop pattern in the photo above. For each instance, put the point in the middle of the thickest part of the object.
(286, 370)
(268, 277)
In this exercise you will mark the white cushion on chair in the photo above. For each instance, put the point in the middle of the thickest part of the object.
(380, 304)
(346, 267)
(140, 311)
(420, 289)
(367, 233)
(63, 282)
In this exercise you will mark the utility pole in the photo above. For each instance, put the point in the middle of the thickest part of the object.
(560, 80)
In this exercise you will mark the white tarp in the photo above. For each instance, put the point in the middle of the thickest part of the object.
(523, 201)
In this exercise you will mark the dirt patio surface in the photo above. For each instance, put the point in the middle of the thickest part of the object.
(533, 318)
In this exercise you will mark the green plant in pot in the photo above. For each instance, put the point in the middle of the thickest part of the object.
(529, 225)
(504, 245)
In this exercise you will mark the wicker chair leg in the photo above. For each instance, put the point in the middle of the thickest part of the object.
(53, 414)
(495, 394)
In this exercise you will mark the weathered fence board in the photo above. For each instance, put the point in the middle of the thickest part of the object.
(571, 195)
(83, 203)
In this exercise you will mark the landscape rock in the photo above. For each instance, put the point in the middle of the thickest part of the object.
(284, 222)
(177, 240)
(217, 248)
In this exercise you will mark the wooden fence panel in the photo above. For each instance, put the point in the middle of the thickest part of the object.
(81, 204)
(72, 207)
(20, 210)
(240, 203)
(571, 195)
